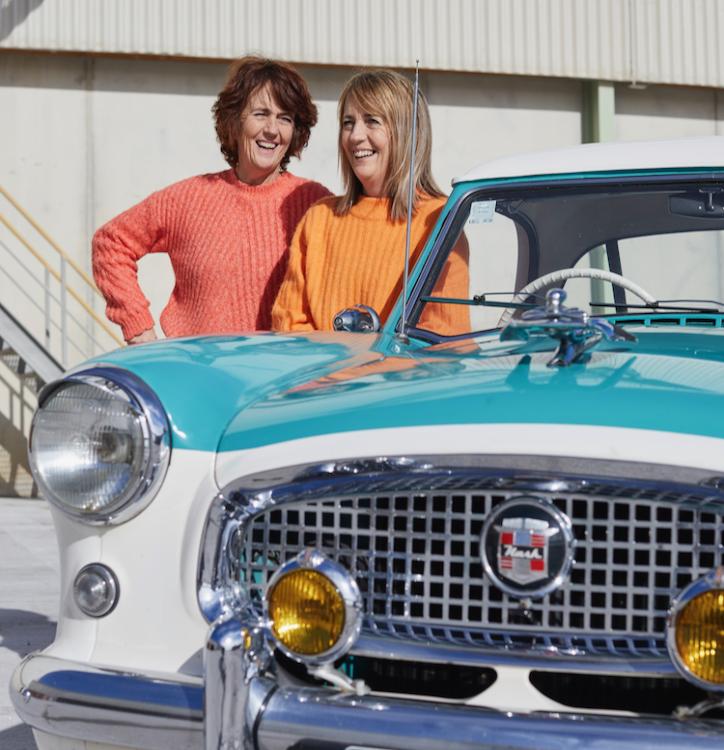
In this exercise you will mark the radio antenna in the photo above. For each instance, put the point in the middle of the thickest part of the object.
(410, 195)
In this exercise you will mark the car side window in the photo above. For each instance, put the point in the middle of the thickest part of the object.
(682, 265)
(482, 260)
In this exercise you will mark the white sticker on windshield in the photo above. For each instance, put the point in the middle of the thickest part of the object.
(481, 212)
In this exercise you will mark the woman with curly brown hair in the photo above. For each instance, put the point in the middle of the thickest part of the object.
(227, 233)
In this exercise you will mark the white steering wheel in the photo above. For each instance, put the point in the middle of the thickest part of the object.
(562, 274)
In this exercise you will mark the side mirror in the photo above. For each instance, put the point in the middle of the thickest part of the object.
(357, 319)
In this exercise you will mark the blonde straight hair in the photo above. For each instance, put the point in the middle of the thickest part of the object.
(389, 96)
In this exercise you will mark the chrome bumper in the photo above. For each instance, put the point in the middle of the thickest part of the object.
(86, 703)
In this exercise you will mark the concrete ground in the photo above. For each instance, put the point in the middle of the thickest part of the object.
(28, 599)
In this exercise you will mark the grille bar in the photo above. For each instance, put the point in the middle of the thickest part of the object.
(416, 558)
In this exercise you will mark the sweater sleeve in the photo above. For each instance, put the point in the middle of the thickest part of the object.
(454, 281)
(291, 309)
(116, 249)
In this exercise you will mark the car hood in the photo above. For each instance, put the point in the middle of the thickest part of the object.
(234, 393)
(669, 381)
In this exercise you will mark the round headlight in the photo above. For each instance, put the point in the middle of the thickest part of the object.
(695, 635)
(99, 445)
(314, 608)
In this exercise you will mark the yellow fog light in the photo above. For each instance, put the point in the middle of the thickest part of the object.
(313, 607)
(695, 632)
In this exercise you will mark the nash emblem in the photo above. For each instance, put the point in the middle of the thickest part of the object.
(523, 549)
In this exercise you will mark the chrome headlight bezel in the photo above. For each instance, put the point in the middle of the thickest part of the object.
(348, 590)
(156, 443)
(712, 581)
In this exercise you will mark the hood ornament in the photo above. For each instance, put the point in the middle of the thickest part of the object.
(574, 329)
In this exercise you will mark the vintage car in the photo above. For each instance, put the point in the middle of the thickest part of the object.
(495, 522)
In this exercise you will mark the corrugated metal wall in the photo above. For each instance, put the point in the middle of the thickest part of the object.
(651, 41)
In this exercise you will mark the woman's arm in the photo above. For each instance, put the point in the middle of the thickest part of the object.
(117, 247)
(291, 309)
(454, 281)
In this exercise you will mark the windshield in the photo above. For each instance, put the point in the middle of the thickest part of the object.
(665, 240)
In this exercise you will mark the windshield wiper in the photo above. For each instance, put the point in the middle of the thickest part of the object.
(480, 300)
(671, 305)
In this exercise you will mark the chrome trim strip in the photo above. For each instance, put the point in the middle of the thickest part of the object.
(157, 439)
(401, 649)
(529, 472)
(83, 702)
(308, 718)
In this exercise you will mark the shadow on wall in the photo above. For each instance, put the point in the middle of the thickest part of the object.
(13, 13)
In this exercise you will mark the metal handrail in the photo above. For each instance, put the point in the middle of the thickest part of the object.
(41, 308)
(34, 224)
(58, 277)
(68, 325)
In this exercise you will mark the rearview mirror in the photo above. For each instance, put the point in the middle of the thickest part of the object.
(357, 319)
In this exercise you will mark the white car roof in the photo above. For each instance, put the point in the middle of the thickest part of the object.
(605, 157)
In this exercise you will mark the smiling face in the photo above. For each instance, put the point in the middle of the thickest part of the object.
(264, 137)
(365, 142)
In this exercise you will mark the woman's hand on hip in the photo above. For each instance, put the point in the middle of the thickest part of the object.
(143, 338)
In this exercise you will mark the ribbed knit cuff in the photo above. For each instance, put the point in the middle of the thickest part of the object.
(132, 325)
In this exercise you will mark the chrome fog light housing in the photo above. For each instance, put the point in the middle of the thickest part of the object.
(99, 445)
(313, 608)
(695, 631)
(96, 590)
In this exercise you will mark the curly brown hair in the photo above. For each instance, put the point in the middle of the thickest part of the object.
(246, 76)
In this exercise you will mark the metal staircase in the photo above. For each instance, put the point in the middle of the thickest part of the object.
(48, 322)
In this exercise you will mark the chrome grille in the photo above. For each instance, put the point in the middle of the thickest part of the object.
(416, 558)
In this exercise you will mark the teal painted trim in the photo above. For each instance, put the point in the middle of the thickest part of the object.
(656, 320)
(566, 176)
(673, 412)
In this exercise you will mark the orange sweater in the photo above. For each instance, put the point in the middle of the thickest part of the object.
(227, 242)
(339, 261)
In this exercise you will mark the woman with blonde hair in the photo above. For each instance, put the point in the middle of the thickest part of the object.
(350, 249)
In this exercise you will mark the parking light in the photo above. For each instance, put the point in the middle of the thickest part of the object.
(313, 608)
(95, 590)
(695, 631)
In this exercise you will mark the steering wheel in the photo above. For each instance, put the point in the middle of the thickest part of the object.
(562, 274)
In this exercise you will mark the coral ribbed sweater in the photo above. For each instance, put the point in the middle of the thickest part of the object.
(339, 261)
(227, 242)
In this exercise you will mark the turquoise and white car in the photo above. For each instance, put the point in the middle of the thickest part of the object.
(502, 533)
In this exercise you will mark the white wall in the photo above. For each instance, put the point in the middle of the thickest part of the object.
(84, 138)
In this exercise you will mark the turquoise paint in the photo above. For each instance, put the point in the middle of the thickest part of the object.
(258, 390)
(671, 381)
(204, 382)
